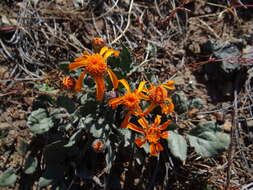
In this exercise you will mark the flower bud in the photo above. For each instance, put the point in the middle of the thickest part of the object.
(98, 146)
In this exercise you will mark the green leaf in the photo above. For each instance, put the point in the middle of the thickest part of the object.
(55, 152)
(45, 88)
(208, 140)
(97, 127)
(172, 126)
(66, 102)
(8, 178)
(36, 116)
(22, 147)
(43, 126)
(74, 138)
(177, 145)
(3, 133)
(43, 101)
(30, 165)
(64, 66)
(126, 135)
(53, 174)
(38, 121)
(110, 156)
(57, 114)
(146, 148)
(126, 59)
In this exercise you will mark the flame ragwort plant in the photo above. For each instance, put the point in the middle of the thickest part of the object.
(96, 65)
(109, 119)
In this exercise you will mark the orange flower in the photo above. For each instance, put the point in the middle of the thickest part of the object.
(152, 133)
(68, 82)
(130, 100)
(97, 44)
(158, 95)
(96, 66)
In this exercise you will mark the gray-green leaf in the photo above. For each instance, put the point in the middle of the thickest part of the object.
(43, 126)
(208, 140)
(177, 145)
(30, 165)
(8, 178)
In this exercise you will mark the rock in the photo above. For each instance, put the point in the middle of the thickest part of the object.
(180, 101)
(227, 126)
(196, 103)
(222, 75)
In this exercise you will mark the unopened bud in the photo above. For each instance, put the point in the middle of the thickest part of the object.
(98, 145)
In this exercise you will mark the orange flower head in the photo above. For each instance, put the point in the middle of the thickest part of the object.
(130, 100)
(68, 82)
(158, 96)
(96, 66)
(152, 134)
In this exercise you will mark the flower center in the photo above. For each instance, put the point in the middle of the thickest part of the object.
(157, 94)
(96, 65)
(153, 135)
(131, 100)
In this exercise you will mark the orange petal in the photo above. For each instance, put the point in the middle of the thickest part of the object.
(126, 120)
(134, 128)
(108, 53)
(103, 50)
(170, 106)
(140, 141)
(125, 84)
(141, 86)
(157, 120)
(79, 82)
(115, 102)
(165, 125)
(169, 85)
(158, 147)
(153, 151)
(165, 108)
(116, 53)
(143, 96)
(143, 122)
(149, 109)
(76, 65)
(165, 134)
(114, 79)
(100, 88)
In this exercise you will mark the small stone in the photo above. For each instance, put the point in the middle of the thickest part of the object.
(227, 126)
(4, 125)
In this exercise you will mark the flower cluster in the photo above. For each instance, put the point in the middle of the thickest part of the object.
(95, 65)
